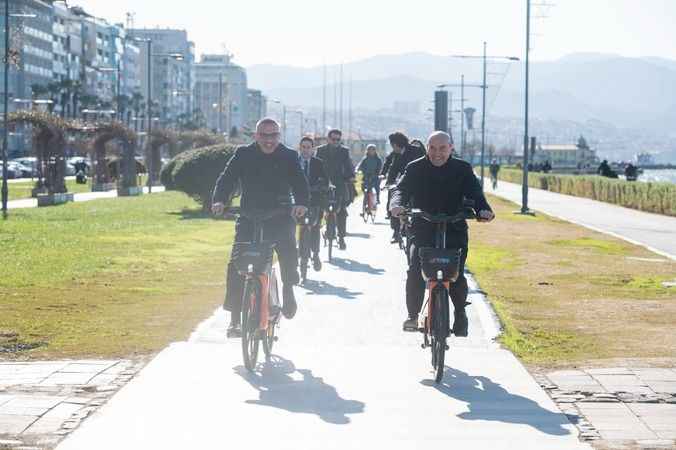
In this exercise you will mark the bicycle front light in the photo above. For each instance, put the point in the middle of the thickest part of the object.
(440, 275)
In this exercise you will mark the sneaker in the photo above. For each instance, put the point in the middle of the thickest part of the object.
(411, 324)
(316, 263)
(341, 244)
(234, 330)
(290, 307)
(461, 324)
(396, 238)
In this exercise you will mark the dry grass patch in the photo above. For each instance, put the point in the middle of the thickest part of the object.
(568, 295)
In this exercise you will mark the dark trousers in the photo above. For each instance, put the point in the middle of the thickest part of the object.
(315, 233)
(415, 284)
(341, 219)
(281, 231)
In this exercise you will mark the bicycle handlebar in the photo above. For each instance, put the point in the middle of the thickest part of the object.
(260, 214)
(466, 214)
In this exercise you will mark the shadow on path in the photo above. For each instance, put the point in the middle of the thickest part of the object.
(323, 288)
(489, 401)
(359, 235)
(354, 266)
(277, 388)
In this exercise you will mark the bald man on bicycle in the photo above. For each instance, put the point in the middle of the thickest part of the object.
(438, 184)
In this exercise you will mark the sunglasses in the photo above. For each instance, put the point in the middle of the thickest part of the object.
(269, 135)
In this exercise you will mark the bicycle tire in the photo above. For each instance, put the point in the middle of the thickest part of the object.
(250, 338)
(439, 332)
(269, 340)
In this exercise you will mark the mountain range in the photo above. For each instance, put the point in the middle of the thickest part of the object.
(624, 91)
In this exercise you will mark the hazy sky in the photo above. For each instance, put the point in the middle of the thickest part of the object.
(310, 32)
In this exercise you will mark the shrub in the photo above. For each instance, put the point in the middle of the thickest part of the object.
(659, 198)
(195, 171)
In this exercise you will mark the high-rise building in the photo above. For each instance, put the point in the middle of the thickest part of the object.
(172, 58)
(221, 92)
(257, 107)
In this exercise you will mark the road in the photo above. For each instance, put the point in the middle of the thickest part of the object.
(654, 231)
(344, 377)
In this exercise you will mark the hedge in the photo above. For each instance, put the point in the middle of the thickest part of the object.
(659, 198)
(195, 171)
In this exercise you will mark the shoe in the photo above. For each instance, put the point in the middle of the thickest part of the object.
(316, 264)
(341, 244)
(234, 330)
(290, 307)
(396, 238)
(411, 324)
(461, 324)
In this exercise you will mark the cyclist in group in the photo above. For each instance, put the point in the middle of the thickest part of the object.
(339, 167)
(370, 167)
(268, 173)
(403, 153)
(438, 184)
(315, 172)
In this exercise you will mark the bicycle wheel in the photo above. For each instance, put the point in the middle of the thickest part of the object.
(330, 234)
(270, 339)
(440, 329)
(250, 339)
(365, 211)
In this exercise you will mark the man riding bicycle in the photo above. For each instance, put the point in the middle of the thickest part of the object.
(339, 167)
(438, 184)
(403, 153)
(268, 173)
(370, 167)
(315, 172)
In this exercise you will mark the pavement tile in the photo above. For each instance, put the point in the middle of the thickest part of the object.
(656, 374)
(15, 424)
(628, 434)
(82, 368)
(609, 371)
(619, 379)
(662, 387)
(67, 379)
(631, 389)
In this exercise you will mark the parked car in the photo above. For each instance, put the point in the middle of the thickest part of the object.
(19, 170)
(31, 162)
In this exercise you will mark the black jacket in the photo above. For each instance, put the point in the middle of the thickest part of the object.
(338, 166)
(438, 190)
(267, 181)
(317, 179)
(399, 162)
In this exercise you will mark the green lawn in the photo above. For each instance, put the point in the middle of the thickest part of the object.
(108, 278)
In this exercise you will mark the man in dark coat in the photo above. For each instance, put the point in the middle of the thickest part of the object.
(438, 184)
(270, 178)
(315, 172)
(339, 167)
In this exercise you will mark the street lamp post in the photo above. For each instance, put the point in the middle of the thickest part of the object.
(283, 118)
(484, 87)
(524, 182)
(5, 133)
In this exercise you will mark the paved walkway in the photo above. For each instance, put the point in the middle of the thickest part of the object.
(344, 377)
(79, 197)
(628, 406)
(656, 232)
(42, 401)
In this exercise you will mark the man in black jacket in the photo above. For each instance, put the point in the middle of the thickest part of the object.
(339, 167)
(269, 174)
(314, 171)
(437, 184)
(403, 153)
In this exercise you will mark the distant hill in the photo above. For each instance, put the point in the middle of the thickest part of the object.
(637, 92)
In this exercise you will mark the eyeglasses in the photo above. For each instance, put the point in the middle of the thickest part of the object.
(269, 135)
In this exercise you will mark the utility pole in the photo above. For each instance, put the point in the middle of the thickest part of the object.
(483, 120)
(462, 114)
(150, 116)
(5, 132)
(220, 103)
(340, 124)
(323, 102)
(524, 183)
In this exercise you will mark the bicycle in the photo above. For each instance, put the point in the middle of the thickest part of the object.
(440, 268)
(261, 309)
(331, 221)
(305, 240)
(369, 203)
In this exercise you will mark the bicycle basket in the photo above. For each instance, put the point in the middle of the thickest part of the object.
(433, 260)
(257, 255)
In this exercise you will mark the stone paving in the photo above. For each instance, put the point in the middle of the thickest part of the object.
(618, 408)
(40, 402)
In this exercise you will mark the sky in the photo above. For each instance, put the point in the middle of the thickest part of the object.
(309, 33)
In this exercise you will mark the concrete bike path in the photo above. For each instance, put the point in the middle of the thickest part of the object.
(654, 231)
(344, 377)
